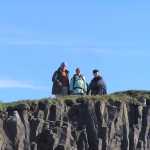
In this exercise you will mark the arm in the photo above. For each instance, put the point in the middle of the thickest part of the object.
(85, 85)
(71, 85)
(103, 86)
(54, 77)
(89, 89)
(102, 83)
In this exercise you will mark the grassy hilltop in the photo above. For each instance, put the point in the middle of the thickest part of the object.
(132, 96)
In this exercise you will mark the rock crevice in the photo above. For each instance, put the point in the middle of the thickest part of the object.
(76, 125)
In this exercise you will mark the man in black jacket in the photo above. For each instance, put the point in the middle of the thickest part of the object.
(97, 85)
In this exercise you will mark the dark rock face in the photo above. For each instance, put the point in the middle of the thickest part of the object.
(77, 125)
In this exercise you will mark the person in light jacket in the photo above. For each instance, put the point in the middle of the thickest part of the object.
(78, 84)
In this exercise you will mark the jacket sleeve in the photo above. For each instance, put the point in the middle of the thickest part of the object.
(71, 84)
(85, 85)
(89, 88)
(54, 78)
(103, 86)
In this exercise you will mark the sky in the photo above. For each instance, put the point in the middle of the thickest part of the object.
(36, 36)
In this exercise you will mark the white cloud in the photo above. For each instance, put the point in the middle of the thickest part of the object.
(20, 84)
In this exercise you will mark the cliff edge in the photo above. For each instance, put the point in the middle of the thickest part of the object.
(120, 121)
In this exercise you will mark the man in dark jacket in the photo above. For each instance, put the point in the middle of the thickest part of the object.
(97, 85)
(61, 81)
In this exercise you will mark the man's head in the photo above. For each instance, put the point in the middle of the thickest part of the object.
(95, 73)
(63, 66)
(78, 71)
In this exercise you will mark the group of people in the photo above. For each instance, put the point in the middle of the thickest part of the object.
(78, 84)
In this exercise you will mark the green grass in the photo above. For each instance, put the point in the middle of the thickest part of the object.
(2, 106)
(131, 96)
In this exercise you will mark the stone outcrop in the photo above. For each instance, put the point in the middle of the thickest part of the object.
(81, 124)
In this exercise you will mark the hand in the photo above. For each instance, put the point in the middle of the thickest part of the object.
(59, 83)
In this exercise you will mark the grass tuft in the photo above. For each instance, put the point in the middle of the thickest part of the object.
(131, 96)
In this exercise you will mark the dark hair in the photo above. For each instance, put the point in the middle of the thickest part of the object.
(77, 69)
(95, 71)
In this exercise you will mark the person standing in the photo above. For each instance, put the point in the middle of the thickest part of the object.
(60, 81)
(97, 86)
(78, 85)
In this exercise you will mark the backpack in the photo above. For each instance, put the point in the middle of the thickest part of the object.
(74, 80)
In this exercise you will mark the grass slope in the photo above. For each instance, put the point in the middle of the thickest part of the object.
(128, 96)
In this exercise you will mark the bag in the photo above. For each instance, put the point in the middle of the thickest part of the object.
(74, 80)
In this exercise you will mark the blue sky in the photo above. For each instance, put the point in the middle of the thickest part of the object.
(36, 36)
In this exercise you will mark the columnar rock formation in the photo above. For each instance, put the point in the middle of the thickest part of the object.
(81, 124)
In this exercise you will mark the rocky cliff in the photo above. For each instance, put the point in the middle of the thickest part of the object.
(116, 122)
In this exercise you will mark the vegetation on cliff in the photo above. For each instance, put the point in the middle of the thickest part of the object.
(131, 96)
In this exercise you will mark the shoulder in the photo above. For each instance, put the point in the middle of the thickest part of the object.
(92, 80)
(55, 72)
(101, 81)
(73, 77)
(83, 77)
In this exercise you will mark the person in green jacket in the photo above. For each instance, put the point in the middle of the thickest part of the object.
(78, 84)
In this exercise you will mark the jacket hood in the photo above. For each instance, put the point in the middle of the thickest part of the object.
(59, 69)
